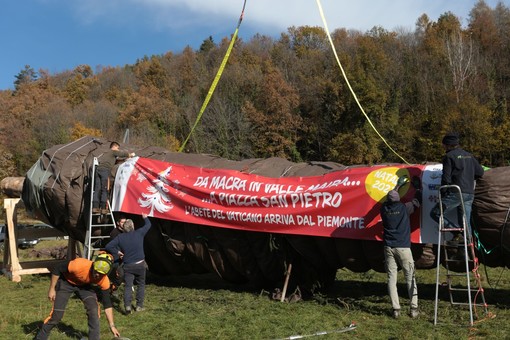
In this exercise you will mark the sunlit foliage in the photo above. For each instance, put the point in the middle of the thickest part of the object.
(286, 97)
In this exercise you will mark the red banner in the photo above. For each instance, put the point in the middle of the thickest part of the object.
(343, 204)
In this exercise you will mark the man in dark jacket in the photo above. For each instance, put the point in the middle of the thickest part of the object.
(106, 162)
(84, 278)
(397, 248)
(462, 169)
(129, 247)
(119, 228)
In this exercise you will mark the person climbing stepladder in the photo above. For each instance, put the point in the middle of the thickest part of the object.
(462, 169)
(102, 174)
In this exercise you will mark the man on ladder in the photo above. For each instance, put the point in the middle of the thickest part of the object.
(101, 217)
(456, 195)
(102, 175)
(462, 169)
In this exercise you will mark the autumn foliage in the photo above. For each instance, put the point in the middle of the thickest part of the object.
(286, 97)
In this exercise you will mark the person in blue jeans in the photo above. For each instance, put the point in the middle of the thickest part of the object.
(462, 169)
(129, 247)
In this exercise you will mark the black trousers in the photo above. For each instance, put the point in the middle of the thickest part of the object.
(87, 295)
(100, 188)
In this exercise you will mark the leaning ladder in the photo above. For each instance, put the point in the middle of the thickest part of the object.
(100, 224)
(455, 257)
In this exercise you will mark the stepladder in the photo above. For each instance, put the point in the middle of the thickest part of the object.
(457, 263)
(100, 221)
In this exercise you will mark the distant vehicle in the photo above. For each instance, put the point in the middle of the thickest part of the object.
(23, 242)
(47, 226)
(41, 225)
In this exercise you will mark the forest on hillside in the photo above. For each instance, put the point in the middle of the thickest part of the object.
(286, 97)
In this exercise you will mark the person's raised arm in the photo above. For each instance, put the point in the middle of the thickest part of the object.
(147, 224)
(402, 180)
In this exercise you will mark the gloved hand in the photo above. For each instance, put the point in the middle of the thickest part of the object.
(418, 196)
(416, 182)
(402, 181)
(416, 203)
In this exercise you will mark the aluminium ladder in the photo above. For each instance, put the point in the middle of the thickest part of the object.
(457, 256)
(99, 223)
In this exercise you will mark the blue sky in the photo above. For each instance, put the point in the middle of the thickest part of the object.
(58, 35)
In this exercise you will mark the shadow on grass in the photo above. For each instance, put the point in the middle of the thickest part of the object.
(368, 295)
(208, 281)
(71, 332)
(426, 291)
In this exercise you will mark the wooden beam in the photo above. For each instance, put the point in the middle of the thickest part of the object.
(12, 267)
(11, 261)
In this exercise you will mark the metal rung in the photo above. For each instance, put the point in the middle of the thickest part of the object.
(457, 261)
(462, 290)
(467, 304)
(457, 274)
(451, 229)
(451, 245)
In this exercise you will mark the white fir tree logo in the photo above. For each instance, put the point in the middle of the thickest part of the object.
(156, 197)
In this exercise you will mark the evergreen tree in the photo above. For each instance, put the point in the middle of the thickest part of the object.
(25, 76)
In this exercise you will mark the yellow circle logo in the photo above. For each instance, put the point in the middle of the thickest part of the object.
(379, 182)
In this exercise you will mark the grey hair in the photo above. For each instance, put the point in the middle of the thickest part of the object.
(129, 226)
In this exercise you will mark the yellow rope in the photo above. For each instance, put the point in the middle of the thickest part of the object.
(349, 85)
(215, 81)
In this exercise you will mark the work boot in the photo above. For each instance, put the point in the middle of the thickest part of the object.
(457, 240)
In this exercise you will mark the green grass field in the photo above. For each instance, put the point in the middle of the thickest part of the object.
(204, 307)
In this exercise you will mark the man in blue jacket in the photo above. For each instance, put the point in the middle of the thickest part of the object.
(129, 247)
(397, 247)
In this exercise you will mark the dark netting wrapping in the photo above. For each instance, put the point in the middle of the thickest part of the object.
(57, 190)
(491, 216)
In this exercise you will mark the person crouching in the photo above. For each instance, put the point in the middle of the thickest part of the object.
(82, 277)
